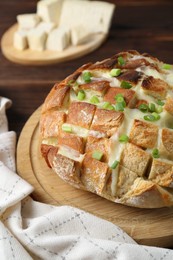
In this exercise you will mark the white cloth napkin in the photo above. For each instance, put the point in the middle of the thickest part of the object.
(33, 230)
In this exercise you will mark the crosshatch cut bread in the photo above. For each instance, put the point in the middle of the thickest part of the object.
(108, 129)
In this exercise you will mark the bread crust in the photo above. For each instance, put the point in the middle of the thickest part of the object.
(109, 138)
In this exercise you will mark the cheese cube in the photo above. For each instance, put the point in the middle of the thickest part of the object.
(93, 15)
(80, 35)
(20, 41)
(49, 10)
(37, 39)
(46, 27)
(27, 21)
(58, 40)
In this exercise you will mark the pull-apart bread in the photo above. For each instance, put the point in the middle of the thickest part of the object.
(108, 129)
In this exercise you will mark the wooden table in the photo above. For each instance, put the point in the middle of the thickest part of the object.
(146, 26)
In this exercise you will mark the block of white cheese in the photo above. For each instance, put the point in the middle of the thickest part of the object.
(80, 35)
(95, 16)
(27, 21)
(58, 39)
(46, 27)
(49, 10)
(37, 39)
(20, 40)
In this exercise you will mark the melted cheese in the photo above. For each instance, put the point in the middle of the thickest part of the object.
(78, 130)
(70, 153)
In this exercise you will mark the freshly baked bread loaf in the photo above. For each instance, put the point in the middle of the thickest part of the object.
(108, 129)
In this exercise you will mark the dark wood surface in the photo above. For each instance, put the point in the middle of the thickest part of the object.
(146, 26)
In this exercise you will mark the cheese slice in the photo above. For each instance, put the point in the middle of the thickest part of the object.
(37, 39)
(49, 10)
(58, 40)
(20, 40)
(27, 21)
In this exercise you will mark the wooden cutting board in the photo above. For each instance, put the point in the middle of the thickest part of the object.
(146, 226)
(29, 57)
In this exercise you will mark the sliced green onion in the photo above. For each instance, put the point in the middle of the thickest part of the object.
(123, 138)
(121, 61)
(94, 100)
(155, 153)
(125, 84)
(156, 116)
(152, 117)
(167, 66)
(81, 95)
(159, 109)
(97, 155)
(119, 106)
(149, 118)
(160, 102)
(152, 107)
(118, 95)
(70, 82)
(115, 72)
(120, 99)
(67, 128)
(143, 108)
(107, 105)
(115, 164)
(87, 76)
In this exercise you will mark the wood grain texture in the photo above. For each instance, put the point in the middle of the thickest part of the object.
(147, 226)
(30, 57)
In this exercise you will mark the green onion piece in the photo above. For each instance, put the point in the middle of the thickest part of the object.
(67, 128)
(97, 155)
(149, 118)
(160, 102)
(121, 61)
(143, 108)
(119, 106)
(125, 84)
(123, 138)
(118, 95)
(107, 105)
(70, 82)
(94, 100)
(81, 95)
(115, 164)
(167, 66)
(152, 117)
(87, 76)
(152, 107)
(156, 116)
(155, 153)
(159, 109)
(115, 72)
(120, 99)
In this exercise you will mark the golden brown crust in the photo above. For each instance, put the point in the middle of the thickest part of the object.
(144, 134)
(128, 94)
(81, 113)
(135, 159)
(107, 121)
(99, 87)
(169, 105)
(155, 87)
(98, 144)
(57, 98)
(50, 123)
(94, 174)
(72, 141)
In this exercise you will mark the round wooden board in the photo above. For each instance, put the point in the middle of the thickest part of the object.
(147, 226)
(29, 57)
